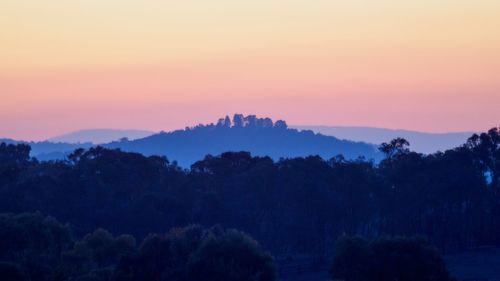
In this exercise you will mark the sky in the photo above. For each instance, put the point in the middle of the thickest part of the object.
(161, 64)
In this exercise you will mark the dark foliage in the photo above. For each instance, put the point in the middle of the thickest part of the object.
(297, 206)
(195, 254)
(32, 243)
(35, 247)
(94, 256)
(293, 206)
(162, 256)
(11, 272)
(232, 256)
(409, 259)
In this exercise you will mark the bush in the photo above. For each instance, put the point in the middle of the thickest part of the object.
(231, 256)
(12, 272)
(192, 253)
(408, 259)
(33, 242)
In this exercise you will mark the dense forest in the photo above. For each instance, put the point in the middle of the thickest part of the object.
(293, 207)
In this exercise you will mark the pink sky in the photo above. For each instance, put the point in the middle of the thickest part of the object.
(69, 65)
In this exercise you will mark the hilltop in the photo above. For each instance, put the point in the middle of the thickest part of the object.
(260, 136)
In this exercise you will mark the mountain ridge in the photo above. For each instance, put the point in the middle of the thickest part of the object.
(422, 142)
(100, 135)
(260, 136)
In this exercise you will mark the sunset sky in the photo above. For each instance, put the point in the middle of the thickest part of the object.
(162, 64)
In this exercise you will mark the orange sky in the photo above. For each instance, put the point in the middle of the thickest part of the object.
(159, 65)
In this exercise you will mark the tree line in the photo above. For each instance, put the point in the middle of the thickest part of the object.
(297, 206)
(34, 247)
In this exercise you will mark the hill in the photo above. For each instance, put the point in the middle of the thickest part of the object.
(46, 150)
(260, 136)
(100, 136)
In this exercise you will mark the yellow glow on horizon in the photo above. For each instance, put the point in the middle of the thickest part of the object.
(84, 33)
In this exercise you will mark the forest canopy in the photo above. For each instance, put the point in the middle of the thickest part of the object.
(296, 206)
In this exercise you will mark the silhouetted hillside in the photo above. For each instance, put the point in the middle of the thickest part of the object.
(260, 136)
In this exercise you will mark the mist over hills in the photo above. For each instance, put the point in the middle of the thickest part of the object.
(46, 150)
(419, 141)
(100, 136)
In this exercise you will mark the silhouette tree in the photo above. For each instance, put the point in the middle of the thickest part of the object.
(486, 148)
(395, 147)
(232, 256)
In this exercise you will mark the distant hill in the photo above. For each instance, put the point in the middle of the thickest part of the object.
(419, 141)
(46, 150)
(100, 136)
(260, 136)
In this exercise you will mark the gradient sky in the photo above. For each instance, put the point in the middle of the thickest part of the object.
(163, 64)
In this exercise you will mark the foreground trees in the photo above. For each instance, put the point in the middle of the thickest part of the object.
(409, 259)
(195, 254)
(35, 247)
(31, 244)
(94, 257)
(232, 256)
